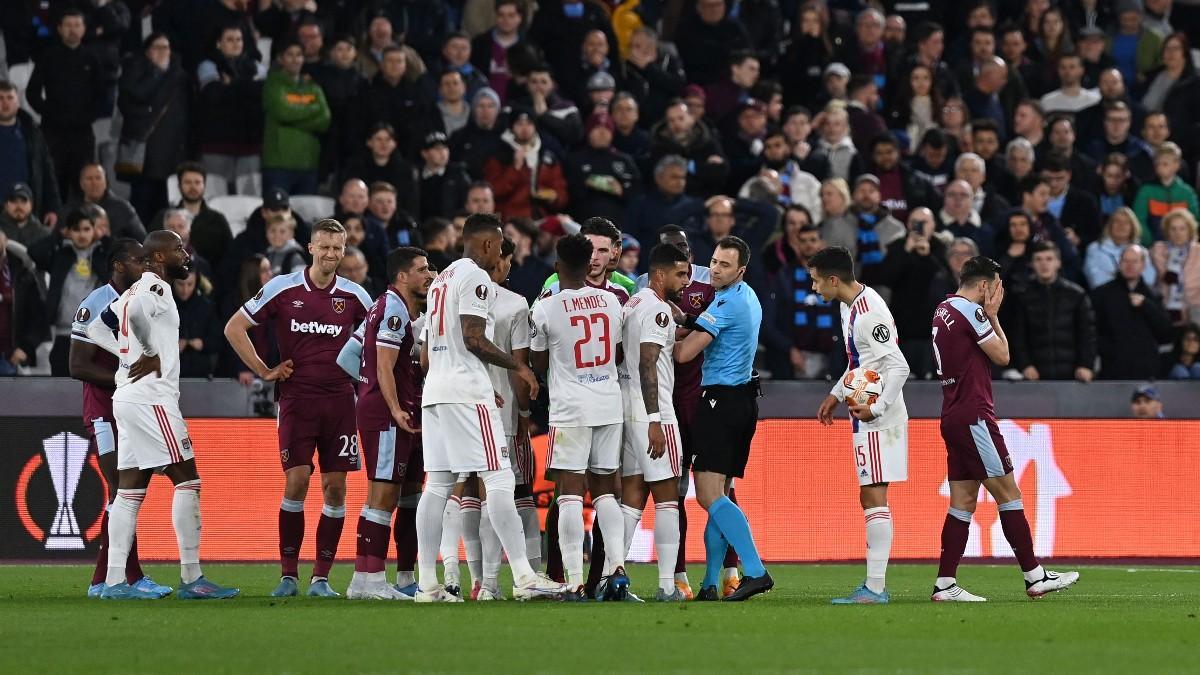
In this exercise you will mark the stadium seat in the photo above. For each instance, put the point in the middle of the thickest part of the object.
(19, 75)
(312, 207)
(236, 208)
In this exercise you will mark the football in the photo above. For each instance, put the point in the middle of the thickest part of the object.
(863, 386)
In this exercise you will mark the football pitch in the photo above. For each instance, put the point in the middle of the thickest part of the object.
(1116, 619)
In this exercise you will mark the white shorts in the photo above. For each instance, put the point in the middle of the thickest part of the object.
(579, 449)
(881, 456)
(635, 455)
(463, 437)
(150, 436)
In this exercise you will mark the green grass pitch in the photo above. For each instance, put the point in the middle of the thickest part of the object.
(1117, 619)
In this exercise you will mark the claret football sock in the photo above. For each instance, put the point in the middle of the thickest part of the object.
(955, 531)
(1016, 531)
(681, 559)
(329, 533)
(373, 526)
(291, 535)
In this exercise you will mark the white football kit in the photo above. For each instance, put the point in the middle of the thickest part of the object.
(880, 445)
(581, 330)
(510, 316)
(151, 432)
(647, 319)
(463, 431)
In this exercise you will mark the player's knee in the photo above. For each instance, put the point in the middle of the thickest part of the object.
(334, 493)
(440, 484)
(500, 481)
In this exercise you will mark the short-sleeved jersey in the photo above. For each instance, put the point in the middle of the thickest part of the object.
(149, 303)
(616, 279)
(552, 287)
(455, 374)
(647, 318)
(97, 400)
(733, 320)
(510, 315)
(959, 327)
(581, 329)
(311, 326)
(870, 333)
(388, 326)
(696, 298)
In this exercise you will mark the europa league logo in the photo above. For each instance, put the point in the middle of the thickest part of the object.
(65, 456)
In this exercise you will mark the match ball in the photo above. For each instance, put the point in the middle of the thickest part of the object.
(862, 385)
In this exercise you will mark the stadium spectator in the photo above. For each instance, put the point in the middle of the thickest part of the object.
(744, 142)
(1131, 323)
(711, 36)
(900, 189)
(1052, 332)
(455, 56)
(489, 50)
(155, 104)
(1115, 137)
(557, 118)
(680, 133)
(560, 27)
(1071, 96)
(199, 339)
(876, 227)
(1035, 199)
(837, 146)
(76, 264)
(383, 162)
(1146, 404)
(985, 142)
(596, 71)
(1136, 50)
(836, 79)
(251, 275)
(982, 98)
(953, 119)
(311, 35)
(93, 189)
(664, 204)
(654, 77)
(283, 252)
(838, 226)
(480, 198)
(601, 179)
(228, 124)
(958, 218)
(725, 96)
(179, 221)
(1104, 255)
(1118, 189)
(17, 221)
(1169, 89)
(867, 54)
(451, 110)
(1177, 262)
(393, 98)
(1164, 194)
(971, 168)
(1156, 131)
(444, 184)
(22, 307)
(810, 51)
(67, 89)
(862, 100)
(384, 219)
(1076, 210)
(527, 178)
(354, 266)
(296, 113)
(1029, 122)
(945, 282)
(1185, 360)
(211, 235)
(480, 138)
(26, 156)
(353, 198)
(914, 110)
(795, 185)
(1015, 248)
(1019, 160)
(253, 240)
(932, 160)
(343, 84)
(528, 271)
(798, 125)
(908, 270)
(438, 239)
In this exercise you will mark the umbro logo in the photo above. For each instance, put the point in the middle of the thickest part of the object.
(297, 303)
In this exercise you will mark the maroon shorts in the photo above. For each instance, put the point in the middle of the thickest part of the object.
(975, 450)
(685, 416)
(392, 455)
(322, 425)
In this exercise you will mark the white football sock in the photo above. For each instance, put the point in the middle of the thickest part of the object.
(502, 510)
(612, 527)
(666, 543)
(633, 518)
(533, 531)
(471, 513)
(942, 583)
(489, 545)
(879, 545)
(185, 514)
(570, 537)
(122, 525)
(451, 533)
(430, 512)
(1036, 574)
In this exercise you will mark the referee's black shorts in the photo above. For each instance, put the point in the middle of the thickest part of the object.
(723, 429)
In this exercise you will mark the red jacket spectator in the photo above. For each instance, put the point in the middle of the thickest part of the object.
(527, 180)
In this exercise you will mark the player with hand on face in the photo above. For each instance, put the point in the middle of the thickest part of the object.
(651, 458)
(142, 328)
(967, 340)
(880, 435)
(313, 312)
(576, 339)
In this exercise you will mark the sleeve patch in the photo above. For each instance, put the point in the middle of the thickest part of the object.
(83, 315)
(662, 319)
(708, 317)
(881, 333)
(979, 315)
(481, 292)
(393, 323)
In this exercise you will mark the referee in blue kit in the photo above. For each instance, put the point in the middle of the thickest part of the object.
(727, 334)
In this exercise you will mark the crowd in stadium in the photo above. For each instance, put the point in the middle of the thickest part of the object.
(1058, 139)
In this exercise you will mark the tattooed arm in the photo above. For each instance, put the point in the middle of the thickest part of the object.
(648, 372)
(475, 338)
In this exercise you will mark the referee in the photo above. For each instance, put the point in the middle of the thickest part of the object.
(727, 334)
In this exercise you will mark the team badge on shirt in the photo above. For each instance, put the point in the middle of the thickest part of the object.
(339, 305)
(481, 292)
(697, 300)
(662, 319)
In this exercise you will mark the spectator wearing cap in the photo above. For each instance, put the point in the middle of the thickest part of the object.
(210, 231)
(744, 142)
(560, 26)
(557, 118)
(1131, 322)
(394, 98)
(681, 133)
(601, 179)
(253, 240)
(653, 76)
(665, 204)
(22, 307)
(900, 188)
(1146, 404)
(834, 81)
(876, 227)
(444, 183)
(296, 115)
(836, 145)
(1090, 44)
(711, 36)
(726, 96)
(383, 161)
(809, 54)
(343, 84)
(595, 57)
(93, 188)
(1052, 334)
(489, 50)
(599, 92)
(908, 270)
(527, 179)
(26, 156)
(18, 221)
(228, 121)
(480, 138)
(528, 271)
